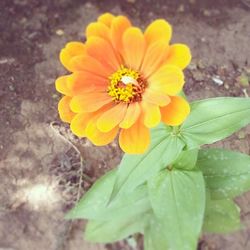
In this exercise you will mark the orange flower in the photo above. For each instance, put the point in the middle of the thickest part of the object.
(123, 81)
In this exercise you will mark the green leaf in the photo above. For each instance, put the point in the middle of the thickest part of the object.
(214, 119)
(94, 204)
(221, 216)
(136, 169)
(117, 228)
(96, 199)
(226, 173)
(187, 159)
(178, 201)
(155, 236)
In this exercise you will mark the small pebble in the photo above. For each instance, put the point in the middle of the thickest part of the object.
(88, 5)
(217, 80)
(181, 8)
(60, 32)
(203, 39)
(198, 76)
(7, 60)
(11, 87)
(207, 13)
(192, 66)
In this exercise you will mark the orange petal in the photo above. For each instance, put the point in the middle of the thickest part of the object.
(155, 97)
(106, 19)
(82, 82)
(97, 137)
(100, 139)
(118, 27)
(111, 118)
(179, 55)
(98, 29)
(158, 30)
(133, 47)
(151, 114)
(71, 50)
(89, 102)
(79, 124)
(176, 111)
(134, 140)
(102, 51)
(154, 56)
(61, 85)
(90, 64)
(65, 112)
(132, 114)
(169, 79)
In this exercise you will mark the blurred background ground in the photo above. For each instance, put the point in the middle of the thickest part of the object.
(40, 170)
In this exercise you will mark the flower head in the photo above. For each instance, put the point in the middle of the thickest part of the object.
(123, 81)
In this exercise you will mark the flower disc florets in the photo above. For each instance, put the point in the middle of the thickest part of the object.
(126, 85)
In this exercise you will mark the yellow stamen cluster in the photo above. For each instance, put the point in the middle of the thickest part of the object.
(118, 90)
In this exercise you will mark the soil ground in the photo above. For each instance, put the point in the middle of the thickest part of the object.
(40, 169)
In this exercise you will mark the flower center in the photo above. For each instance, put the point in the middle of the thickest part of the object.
(126, 85)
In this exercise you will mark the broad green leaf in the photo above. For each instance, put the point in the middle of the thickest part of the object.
(226, 173)
(136, 169)
(117, 228)
(221, 216)
(96, 199)
(155, 236)
(214, 119)
(94, 204)
(187, 159)
(135, 203)
(178, 201)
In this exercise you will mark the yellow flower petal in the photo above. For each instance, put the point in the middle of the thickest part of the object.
(61, 85)
(98, 29)
(111, 118)
(155, 97)
(90, 64)
(102, 51)
(169, 79)
(106, 19)
(179, 55)
(80, 82)
(96, 136)
(118, 27)
(133, 47)
(176, 111)
(158, 30)
(89, 102)
(64, 110)
(71, 50)
(132, 114)
(151, 114)
(134, 140)
(154, 57)
(79, 124)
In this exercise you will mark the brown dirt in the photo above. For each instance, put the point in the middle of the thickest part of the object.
(39, 168)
